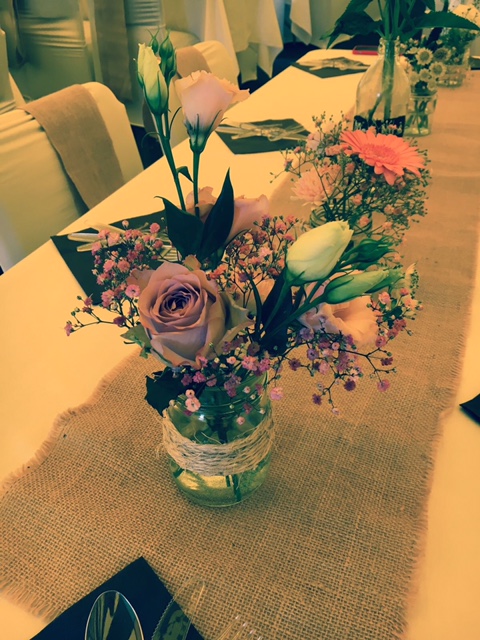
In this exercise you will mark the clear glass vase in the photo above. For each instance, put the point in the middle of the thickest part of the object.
(455, 71)
(383, 93)
(420, 114)
(220, 454)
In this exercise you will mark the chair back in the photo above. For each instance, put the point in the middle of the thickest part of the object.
(37, 196)
(141, 20)
(54, 47)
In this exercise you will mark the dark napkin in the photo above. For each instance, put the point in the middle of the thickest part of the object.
(255, 135)
(332, 67)
(138, 583)
(472, 407)
(80, 263)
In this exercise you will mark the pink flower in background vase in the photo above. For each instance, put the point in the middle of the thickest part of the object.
(184, 314)
(316, 185)
(246, 211)
(389, 155)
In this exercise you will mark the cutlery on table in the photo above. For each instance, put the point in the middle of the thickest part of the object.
(113, 618)
(273, 132)
(239, 630)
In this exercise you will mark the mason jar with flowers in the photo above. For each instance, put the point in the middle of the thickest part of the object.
(425, 70)
(383, 93)
(225, 298)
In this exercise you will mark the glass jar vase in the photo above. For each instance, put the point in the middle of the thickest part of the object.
(456, 70)
(220, 454)
(420, 114)
(383, 93)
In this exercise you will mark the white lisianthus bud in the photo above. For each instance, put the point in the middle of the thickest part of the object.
(313, 257)
(352, 286)
(151, 80)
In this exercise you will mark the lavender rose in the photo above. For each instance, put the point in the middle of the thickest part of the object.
(184, 313)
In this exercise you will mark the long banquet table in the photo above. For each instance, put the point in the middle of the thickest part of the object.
(43, 374)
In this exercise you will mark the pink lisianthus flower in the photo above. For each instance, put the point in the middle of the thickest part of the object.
(354, 318)
(246, 211)
(204, 99)
(389, 155)
(316, 185)
(185, 315)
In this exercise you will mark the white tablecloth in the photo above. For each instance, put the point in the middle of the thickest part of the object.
(43, 373)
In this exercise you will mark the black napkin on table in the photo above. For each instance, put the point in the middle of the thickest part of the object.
(261, 143)
(138, 583)
(80, 263)
(472, 407)
(333, 67)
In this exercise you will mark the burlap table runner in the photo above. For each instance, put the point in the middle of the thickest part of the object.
(327, 548)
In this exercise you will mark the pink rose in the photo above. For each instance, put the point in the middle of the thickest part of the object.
(184, 313)
(205, 98)
(246, 211)
(353, 318)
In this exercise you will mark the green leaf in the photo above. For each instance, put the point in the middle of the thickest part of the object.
(185, 172)
(162, 388)
(184, 229)
(219, 222)
(138, 335)
(276, 338)
(352, 24)
(445, 19)
(430, 4)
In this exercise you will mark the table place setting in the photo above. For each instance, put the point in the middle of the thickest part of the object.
(331, 67)
(262, 136)
(276, 350)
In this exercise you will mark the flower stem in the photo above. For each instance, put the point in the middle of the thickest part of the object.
(164, 134)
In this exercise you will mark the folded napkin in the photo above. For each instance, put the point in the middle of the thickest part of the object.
(81, 263)
(142, 588)
(89, 160)
(331, 67)
(261, 136)
(472, 407)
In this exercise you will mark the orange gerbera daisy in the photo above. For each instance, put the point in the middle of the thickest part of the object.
(387, 154)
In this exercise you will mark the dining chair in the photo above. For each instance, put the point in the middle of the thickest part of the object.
(10, 96)
(48, 172)
(54, 47)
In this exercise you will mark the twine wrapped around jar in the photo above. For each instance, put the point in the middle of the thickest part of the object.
(243, 454)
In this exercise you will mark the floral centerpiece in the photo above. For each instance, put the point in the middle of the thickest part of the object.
(457, 42)
(383, 93)
(375, 182)
(227, 297)
(426, 68)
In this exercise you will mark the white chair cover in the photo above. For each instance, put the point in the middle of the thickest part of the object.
(143, 18)
(10, 96)
(205, 19)
(54, 45)
(37, 199)
(7, 101)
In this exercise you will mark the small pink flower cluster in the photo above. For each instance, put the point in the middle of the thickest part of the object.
(115, 255)
(373, 181)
